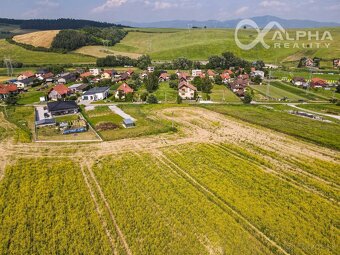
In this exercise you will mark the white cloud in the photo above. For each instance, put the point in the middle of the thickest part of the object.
(109, 4)
(271, 3)
(47, 3)
(241, 10)
(158, 5)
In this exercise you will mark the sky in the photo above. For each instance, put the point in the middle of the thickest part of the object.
(158, 10)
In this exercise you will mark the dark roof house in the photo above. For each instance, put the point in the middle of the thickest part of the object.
(62, 107)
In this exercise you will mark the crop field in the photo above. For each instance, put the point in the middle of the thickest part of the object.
(41, 58)
(37, 39)
(222, 184)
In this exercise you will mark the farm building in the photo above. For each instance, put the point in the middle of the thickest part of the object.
(62, 108)
(95, 94)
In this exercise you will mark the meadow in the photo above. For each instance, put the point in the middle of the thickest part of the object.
(19, 54)
(325, 134)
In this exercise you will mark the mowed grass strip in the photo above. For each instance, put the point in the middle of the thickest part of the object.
(300, 222)
(161, 213)
(47, 209)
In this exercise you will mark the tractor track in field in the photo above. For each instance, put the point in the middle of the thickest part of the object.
(99, 211)
(246, 224)
(281, 175)
(107, 205)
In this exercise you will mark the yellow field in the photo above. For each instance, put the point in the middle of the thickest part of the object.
(37, 39)
(101, 51)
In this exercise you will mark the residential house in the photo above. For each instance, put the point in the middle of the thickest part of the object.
(299, 81)
(238, 86)
(151, 69)
(124, 77)
(7, 89)
(255, 73)
(85, 75)
(22, 84)
(318, 83)
(183, 75)
(186, 90)
(67, 78)
(225, 78)
(196, 73)
(95, 71)
(164, 77)
(62, 108)
(123, 90)
(106, 75)
(143, 75)
(78, 88)
(211, 74)
(26, 75)
(58, 92)
(130, 72)
(96, 93)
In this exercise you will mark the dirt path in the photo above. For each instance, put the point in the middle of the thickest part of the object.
(107, 205)
(99, 211)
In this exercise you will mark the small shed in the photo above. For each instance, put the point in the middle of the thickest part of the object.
(128, 123)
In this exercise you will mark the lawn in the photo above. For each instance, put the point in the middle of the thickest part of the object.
(325, 134)
(41, 58)
(221, 93)
(165, 94)
(146, 124)
(23, 119)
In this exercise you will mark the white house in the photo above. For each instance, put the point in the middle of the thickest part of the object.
(95, 94)
(94, 71)
(186, 90)
(257, 73)
(151, 69)
(195, 73)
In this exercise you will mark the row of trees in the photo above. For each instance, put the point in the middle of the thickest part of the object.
(112, 61)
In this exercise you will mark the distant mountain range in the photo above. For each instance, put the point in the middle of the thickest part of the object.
(262, 21)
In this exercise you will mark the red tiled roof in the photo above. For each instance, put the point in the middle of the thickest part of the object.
(85, 75)
(28, 74)
(164, 76)
(225, 76)
(125, 88)
(229, 72)
(186, 84)
(5, 89)
(61, 89)
(211, 73)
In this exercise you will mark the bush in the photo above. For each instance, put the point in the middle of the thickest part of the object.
(152, 99)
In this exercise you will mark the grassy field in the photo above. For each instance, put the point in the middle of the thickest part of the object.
(40, 58)
(37, 39)
(278, 90)
(200, 44)
(314, 131)
(23, 119)
(327, 109)
(307, 75)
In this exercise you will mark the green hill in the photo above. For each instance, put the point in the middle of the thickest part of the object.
(200, 44)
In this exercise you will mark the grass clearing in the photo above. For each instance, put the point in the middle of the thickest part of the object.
(318, 132)
(322, 108)
(28, 57)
